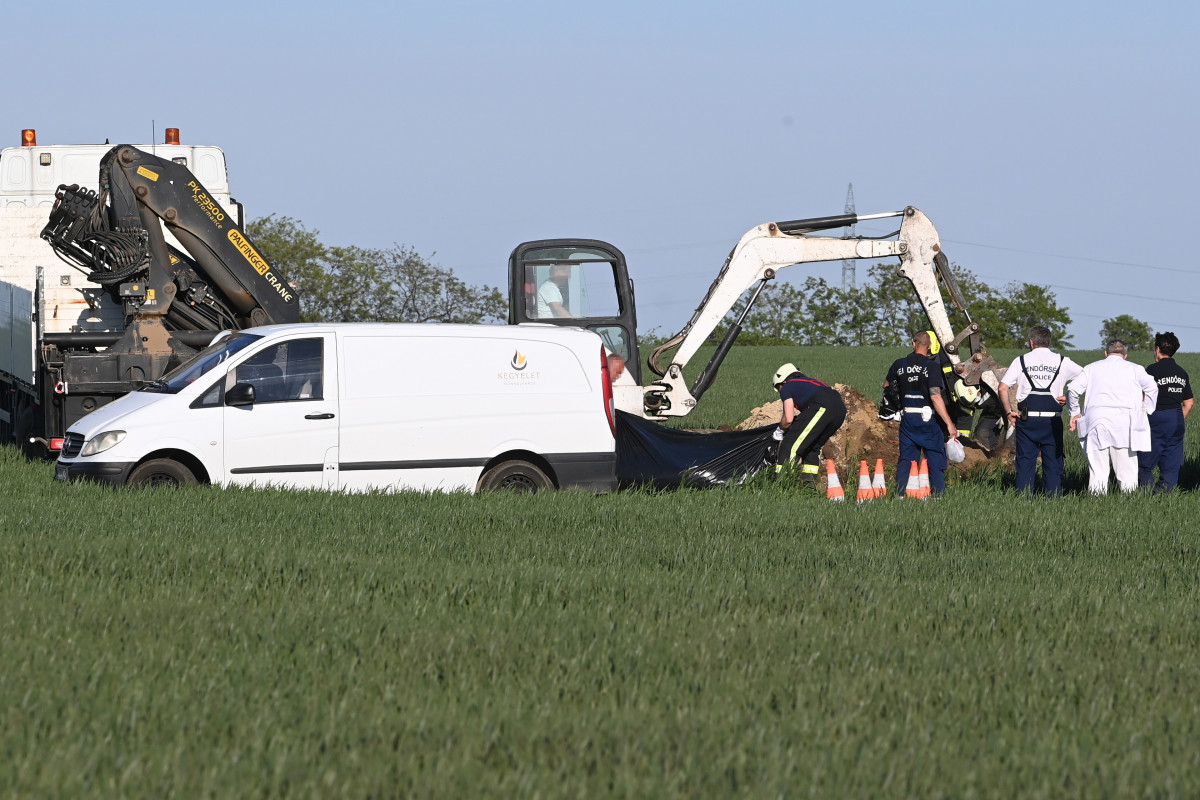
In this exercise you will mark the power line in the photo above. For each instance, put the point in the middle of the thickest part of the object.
(1086, 259)
(1074, 258)
(1163, 326)
(1098, 291)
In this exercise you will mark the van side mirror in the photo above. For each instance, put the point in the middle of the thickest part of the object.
(242, 394)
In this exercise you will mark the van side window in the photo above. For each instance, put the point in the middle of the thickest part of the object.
(290, 370)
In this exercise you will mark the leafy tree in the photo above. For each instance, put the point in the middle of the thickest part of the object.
(1137, 335)
(355, 284)
(1005, 316)
(895, 311)
(885, 311)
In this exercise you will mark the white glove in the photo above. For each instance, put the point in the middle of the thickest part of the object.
(777, 434)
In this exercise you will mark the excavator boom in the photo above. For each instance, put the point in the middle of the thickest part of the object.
(759, 256)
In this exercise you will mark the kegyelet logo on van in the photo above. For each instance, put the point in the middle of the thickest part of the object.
(519, 361)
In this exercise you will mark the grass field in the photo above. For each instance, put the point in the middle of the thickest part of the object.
(754, 641)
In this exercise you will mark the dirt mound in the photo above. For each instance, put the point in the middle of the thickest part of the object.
(863, 436)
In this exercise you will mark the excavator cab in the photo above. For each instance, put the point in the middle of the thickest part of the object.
(580, 283)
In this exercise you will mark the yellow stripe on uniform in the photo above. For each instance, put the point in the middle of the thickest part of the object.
(804, 434)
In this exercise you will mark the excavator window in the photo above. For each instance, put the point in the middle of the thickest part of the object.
(614, 339)
(570, 282)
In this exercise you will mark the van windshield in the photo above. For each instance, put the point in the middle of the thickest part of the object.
(200, 364)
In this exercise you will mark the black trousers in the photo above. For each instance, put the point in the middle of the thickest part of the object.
(811, 428)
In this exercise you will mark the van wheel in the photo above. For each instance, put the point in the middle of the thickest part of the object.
(162, 472)
(515, 476)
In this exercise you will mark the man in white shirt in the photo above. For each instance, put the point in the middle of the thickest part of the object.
(1115, 424)
(1032, 393)
(550, 294)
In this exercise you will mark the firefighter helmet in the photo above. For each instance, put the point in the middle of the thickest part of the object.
(935, 346)
(782, 373)
(966, 395)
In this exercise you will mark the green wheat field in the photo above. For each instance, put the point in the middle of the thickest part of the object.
(755, 641)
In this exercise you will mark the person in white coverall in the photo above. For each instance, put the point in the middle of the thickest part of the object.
(1115, 423)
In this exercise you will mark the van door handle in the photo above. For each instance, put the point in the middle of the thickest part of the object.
(318, 416)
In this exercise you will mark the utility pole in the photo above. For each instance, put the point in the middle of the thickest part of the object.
(848, 281)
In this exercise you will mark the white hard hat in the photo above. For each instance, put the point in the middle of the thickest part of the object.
(782, 373)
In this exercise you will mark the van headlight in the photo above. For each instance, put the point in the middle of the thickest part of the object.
(102, 442)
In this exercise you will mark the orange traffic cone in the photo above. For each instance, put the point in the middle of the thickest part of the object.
(913, 489)
(865, 492)
(879, 485)
(833, 486)
(923, 480)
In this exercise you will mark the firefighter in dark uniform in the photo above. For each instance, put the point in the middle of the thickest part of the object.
(1175, 401)
(812, 413)
(991, 417)
(925, 424)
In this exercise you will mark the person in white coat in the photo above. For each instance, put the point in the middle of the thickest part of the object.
(1115, 423)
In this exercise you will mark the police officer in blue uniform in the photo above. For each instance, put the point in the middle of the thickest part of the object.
(925, 424)
(1175, 401)
(812, 413)
(1039, 378)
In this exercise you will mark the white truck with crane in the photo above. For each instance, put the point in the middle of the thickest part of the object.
(96, 298)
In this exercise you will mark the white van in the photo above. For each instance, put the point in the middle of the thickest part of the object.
(360, 407)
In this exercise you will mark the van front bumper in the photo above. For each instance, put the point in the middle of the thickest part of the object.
(111, 472)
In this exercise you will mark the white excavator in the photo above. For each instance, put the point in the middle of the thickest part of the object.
(585, 283)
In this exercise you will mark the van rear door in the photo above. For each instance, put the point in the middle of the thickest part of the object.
(288, 435)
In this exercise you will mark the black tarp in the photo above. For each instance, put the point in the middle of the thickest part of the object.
(649, 453)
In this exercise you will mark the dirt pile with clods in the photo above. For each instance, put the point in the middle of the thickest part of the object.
(864, 436)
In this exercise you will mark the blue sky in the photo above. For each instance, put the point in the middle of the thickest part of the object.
(1052, 143)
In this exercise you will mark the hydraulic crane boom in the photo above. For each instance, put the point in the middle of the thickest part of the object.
(152, 301)
(117, 234)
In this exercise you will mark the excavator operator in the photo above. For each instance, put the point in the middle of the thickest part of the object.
(812, 413)
(552, 294)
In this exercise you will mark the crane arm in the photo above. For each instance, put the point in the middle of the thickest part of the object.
(118, 235)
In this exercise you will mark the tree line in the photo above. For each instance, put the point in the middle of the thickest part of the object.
(398, 284)
(360, 284)
(884, 311)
